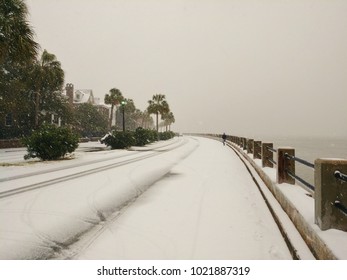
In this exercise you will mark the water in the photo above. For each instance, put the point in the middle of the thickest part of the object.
(311, 149)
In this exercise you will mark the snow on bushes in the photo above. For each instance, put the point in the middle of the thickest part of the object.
(50, 143)
(139, 137)
(119, 139)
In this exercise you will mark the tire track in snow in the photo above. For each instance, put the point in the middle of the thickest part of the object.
(134, 149)
(80, 244)
(47, 183)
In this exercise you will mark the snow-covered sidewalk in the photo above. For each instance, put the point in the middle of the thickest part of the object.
(206, 207)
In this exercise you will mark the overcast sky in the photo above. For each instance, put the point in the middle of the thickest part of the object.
(247, 68)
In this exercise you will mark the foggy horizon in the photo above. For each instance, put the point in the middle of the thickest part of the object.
(247, 68)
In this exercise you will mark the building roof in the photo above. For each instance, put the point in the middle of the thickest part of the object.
(83, 96)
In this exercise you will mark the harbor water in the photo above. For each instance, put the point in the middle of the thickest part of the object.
(310, 149)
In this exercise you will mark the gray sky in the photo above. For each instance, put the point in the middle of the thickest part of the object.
(244, 67)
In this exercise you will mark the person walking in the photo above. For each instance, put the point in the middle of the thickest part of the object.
(224, 137)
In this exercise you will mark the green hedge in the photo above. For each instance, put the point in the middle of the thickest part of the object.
(50, 143)
(140, 137)
(166, 135)
(119, 140)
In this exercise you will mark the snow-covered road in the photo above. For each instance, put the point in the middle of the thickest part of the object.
(187, 198)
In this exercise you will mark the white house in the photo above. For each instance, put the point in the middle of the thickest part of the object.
(83, 96)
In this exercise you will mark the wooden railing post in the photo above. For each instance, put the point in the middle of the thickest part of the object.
(244, 143)
(285, 165)
(250, 146)
(330, 194)
(256, 149)
(267, 155)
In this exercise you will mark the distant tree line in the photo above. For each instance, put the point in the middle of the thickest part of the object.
(128, 117)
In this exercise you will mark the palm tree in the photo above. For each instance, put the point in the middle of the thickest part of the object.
(137, 118)
(128, 108)
(158, 105)
(147, 120)
(169, 119)
(89, 120)
(114, 97)
(17, 50)
(16, 35)
(48, 79)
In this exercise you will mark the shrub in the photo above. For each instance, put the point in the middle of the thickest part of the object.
(142, 136)
(153, 136)
(166, 135)
(119, 139)
(50, 143)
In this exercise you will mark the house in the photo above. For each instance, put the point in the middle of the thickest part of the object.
(81, 96)
(14, 123)
(103, 108)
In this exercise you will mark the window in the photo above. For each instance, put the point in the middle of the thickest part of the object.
(9, 119)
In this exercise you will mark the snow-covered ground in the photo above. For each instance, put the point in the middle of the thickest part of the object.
(48, 209)
(186, 198)
(206, 207)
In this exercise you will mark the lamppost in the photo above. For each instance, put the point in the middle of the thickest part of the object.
(123, 105)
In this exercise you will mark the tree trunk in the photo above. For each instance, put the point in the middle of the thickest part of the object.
(111, 117)
(37, 109)
(157, 122)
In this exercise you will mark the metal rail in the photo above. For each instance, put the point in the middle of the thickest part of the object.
(341, 207)
(272, 149)
(259, 155)
(338, 206)
(340, 175)
(272, 161)
(304, 162)
(307, 184)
